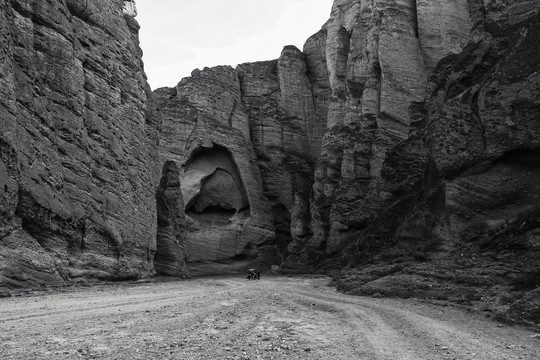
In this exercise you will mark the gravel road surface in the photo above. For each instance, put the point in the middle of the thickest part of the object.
(233, 318)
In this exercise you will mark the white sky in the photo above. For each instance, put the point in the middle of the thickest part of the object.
(178, 36)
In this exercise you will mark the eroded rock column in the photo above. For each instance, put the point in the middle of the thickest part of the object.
(170, 258)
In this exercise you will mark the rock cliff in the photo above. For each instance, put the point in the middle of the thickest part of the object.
(78, 144)
(435, 198)
(245, 140)
(398, 150)
(401, 144)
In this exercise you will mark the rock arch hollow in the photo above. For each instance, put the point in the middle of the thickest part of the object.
(217, 205)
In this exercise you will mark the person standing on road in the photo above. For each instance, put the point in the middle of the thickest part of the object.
(258, 274)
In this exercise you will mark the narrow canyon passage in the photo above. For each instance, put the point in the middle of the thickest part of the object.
(233, 318)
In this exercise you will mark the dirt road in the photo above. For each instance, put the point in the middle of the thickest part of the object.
(232, 318)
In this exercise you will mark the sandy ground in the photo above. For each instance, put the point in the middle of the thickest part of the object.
(233, 318)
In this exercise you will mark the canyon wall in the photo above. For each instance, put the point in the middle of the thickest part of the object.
(78, 144)
(377, 70)
(246, 140)
(435, 197)
(206, 133)
(398, 151)
(399, 148)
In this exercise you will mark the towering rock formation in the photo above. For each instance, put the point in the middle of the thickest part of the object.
(78, 144)
(170, 258)
(246, 143)
(449, 208)
(206, 133)
(377, 64)
(400, 148)
(402, 143)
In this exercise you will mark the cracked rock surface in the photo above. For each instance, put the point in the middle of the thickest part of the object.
(78, 145)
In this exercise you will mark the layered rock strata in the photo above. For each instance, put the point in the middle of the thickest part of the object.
(400, 147)
(378, 57)
(411, 128)
(246, 140)
(78, 145)
(170, 257)
(206, 133)
(448, 210)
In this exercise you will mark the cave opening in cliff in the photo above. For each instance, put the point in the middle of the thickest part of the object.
(522, 157)
(213, 189)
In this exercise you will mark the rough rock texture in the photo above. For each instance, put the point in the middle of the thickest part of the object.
(399, 149)
(376, 70)
(402, 142)
(78, 144)
(443, 28)
(246, 140)
(446, 205)
(170, 258)
(422, 180)
(206, 133)
(286, 130)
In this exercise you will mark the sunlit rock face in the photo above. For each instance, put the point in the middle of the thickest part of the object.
(78, 145)
(129, 8)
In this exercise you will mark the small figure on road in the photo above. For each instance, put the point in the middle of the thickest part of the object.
(258, 274)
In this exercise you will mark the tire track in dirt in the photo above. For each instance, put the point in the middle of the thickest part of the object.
(395, 331)
(133, 301)
(231, 318)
